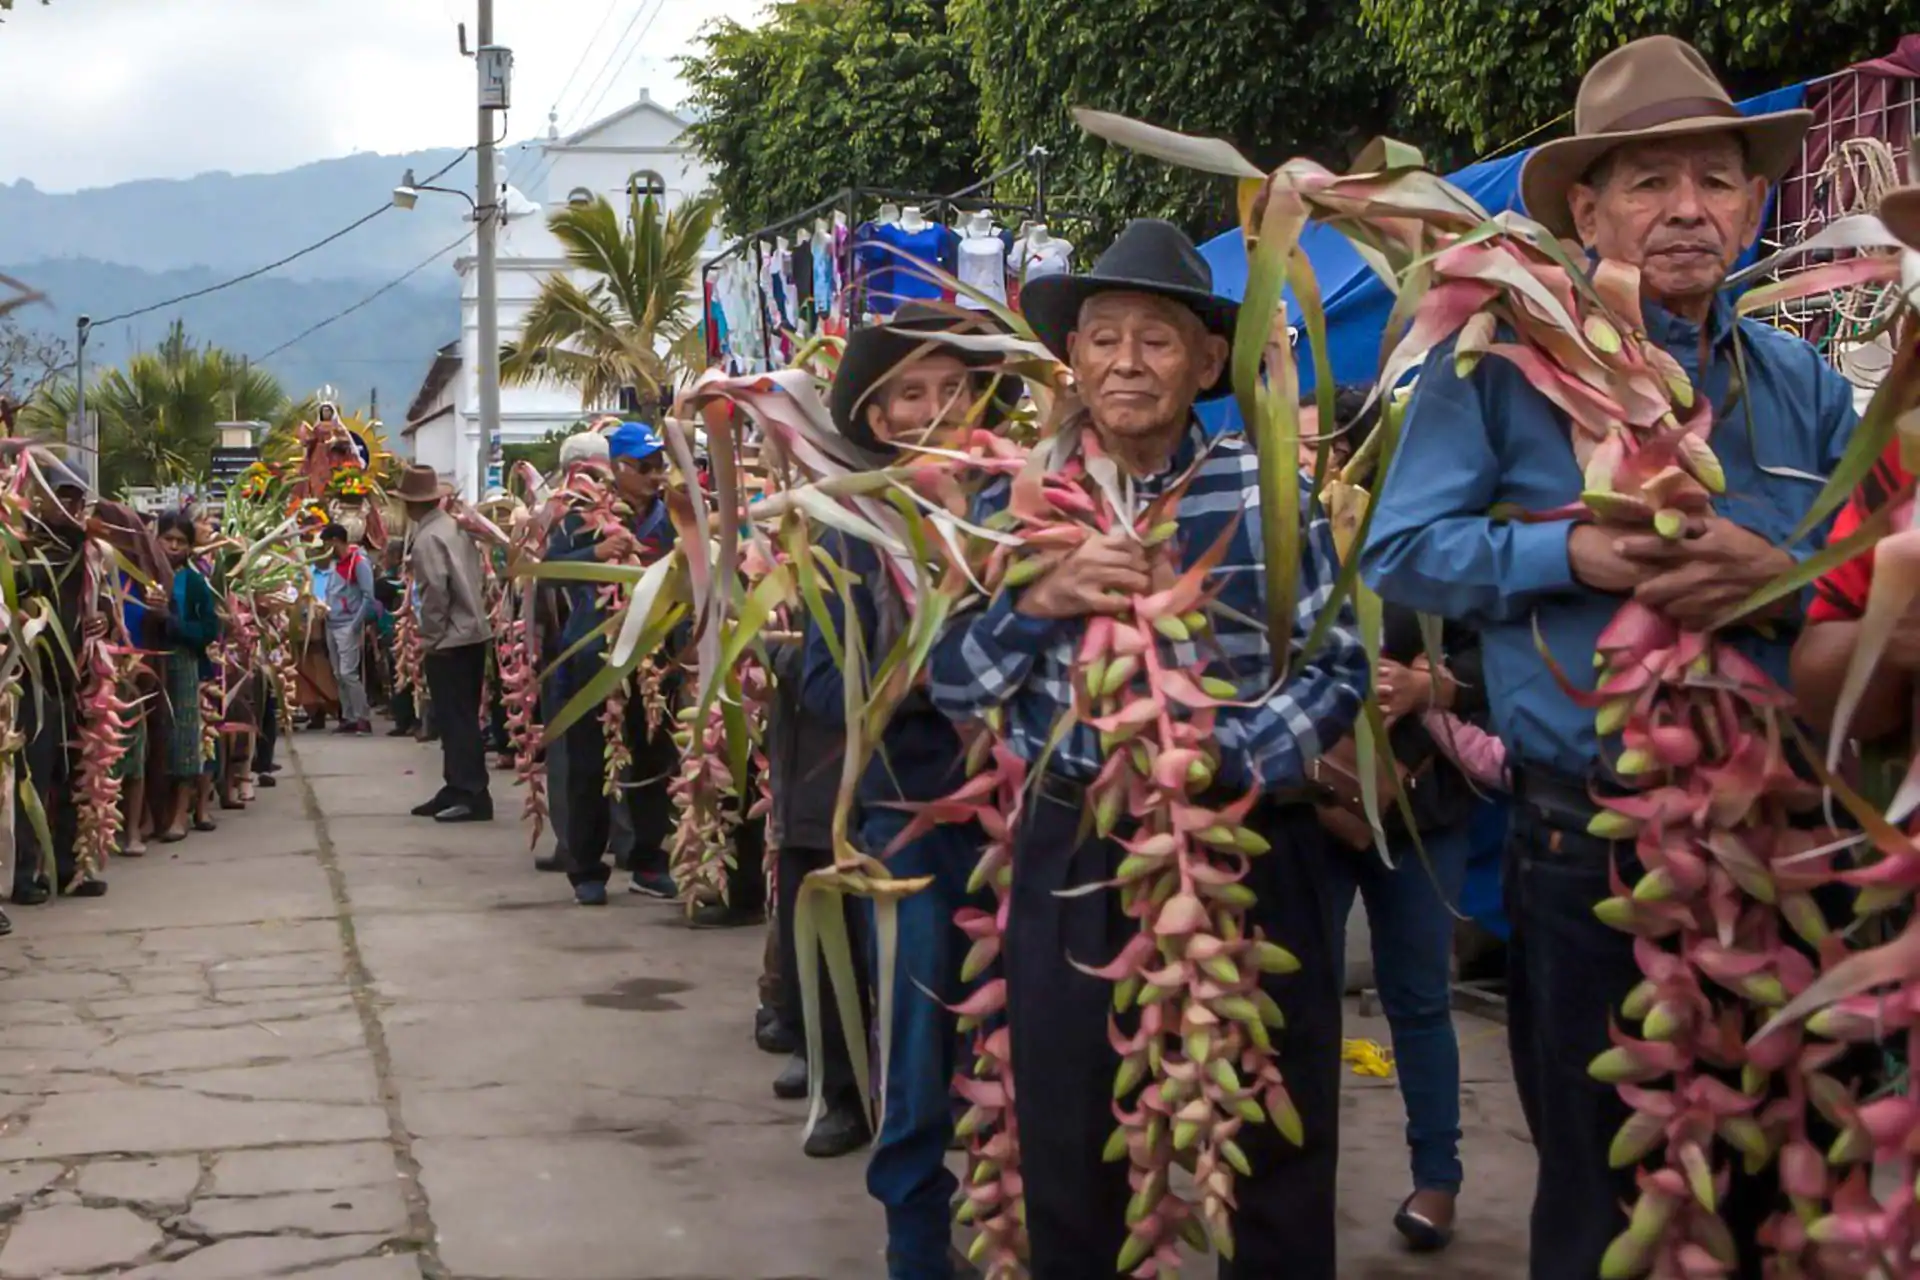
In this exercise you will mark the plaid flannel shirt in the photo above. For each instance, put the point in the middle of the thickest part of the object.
(997, 657)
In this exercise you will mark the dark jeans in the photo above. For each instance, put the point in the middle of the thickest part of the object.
(453, 686)
(1567, 974)
(1064, 1065)
(587, 807)
(49, 771)
(269, 735)
(1410, 919)
(836, 1065)
(908, 1173)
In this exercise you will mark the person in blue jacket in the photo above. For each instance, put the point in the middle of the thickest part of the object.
(639, 473)
(893, 389)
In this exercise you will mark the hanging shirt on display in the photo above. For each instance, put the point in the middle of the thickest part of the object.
(912, 251)
(824, 290)
(872, 266)
(803, 281)
(983, 266)
(1030, 261)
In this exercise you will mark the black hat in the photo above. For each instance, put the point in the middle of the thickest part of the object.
(1151, 256)
(873, 354)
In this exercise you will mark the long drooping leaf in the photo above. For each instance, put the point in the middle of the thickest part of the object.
(1208, 155)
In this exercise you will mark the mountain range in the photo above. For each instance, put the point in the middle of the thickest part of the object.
(106, 251)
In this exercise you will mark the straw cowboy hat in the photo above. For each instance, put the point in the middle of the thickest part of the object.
(875, 353)
(1150, 256)
(1658, 87)
(421, 484)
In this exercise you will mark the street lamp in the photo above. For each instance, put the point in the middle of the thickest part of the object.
(485, 217)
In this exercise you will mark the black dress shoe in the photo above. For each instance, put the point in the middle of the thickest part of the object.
(841, 1131)
(719, 915)
(6, 925)
(86, 889)
(431, 807)
(266, 780)
(791, 1083)
(771, 1035)
(464, 813)
(552, 862)
(33, 895)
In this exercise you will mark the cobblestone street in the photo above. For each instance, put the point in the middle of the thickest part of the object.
(334, 1041)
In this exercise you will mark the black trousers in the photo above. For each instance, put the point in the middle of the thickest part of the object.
(49, 771)
(269, 735)
(1567, 974)
(1064, 1065)
(837, 1067)
(747, 881)
(587, 810)
(453, 687)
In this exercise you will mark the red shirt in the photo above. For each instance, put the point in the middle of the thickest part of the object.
(1841, 593)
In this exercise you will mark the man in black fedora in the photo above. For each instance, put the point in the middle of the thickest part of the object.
(898, 386)
(1146, 337)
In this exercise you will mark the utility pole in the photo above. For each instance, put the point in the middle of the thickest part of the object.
(77, 453)
(493, 93)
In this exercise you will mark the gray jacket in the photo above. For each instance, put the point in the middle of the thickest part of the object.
(447, 575)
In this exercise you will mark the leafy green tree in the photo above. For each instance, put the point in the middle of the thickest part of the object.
(607, 337)
(1494, 71)
(1279, 78)
(159, 414)
(826, 94)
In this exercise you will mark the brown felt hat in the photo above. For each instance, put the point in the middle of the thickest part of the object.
(1900, 211)
(1657, 87)
(421, 484)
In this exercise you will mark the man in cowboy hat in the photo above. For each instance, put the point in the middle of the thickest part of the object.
(898, 386)
(1146, 337)
(454, 633)
(1664, 173)
(1884, 713)
(639, 461)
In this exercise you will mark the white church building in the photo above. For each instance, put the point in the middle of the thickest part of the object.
(639, 146)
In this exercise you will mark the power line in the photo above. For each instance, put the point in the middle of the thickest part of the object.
(585, 53)
(271, 266)
(579, 119)
(383, 290)
(622, 66)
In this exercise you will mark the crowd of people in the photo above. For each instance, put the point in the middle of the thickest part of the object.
(1662, 173)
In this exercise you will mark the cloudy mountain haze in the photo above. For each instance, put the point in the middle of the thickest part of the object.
(154, 147)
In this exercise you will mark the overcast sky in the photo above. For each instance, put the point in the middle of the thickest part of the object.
(95, 92)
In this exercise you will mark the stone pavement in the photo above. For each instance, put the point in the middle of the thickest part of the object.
(334, 1041)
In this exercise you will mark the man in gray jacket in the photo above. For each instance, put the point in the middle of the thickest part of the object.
(349, 603)
(454, 632)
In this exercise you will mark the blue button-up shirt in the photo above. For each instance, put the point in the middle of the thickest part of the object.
(999, 657)
(1490, 439)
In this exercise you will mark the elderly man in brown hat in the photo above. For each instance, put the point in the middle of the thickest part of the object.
(1665, 173)
(454, 632)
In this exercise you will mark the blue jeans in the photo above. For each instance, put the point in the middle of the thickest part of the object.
(1407, 913)
(908, 1172)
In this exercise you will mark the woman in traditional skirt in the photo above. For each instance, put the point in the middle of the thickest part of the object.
(191, 622)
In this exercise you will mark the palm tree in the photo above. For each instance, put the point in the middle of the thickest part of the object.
(626, 330)
(159, 414)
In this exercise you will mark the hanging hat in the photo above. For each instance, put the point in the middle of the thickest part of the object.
(874, 354)
(1657, 87)
(1151, 256)
(635, 441)
(1900, 211)
(421, 484)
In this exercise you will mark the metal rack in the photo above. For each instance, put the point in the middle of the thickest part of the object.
(1028, 203)
(1861, 143)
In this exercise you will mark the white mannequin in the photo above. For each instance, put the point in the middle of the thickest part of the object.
(822, 230)
(839, 222)
(889, 214)
(912, 219)
(781, 246)
(982, 267)
(803, 235)
(1040, 253)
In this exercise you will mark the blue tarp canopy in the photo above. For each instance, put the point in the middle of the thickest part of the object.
(1357, 302)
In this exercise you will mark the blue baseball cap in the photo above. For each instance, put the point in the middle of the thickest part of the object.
(634, 440)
